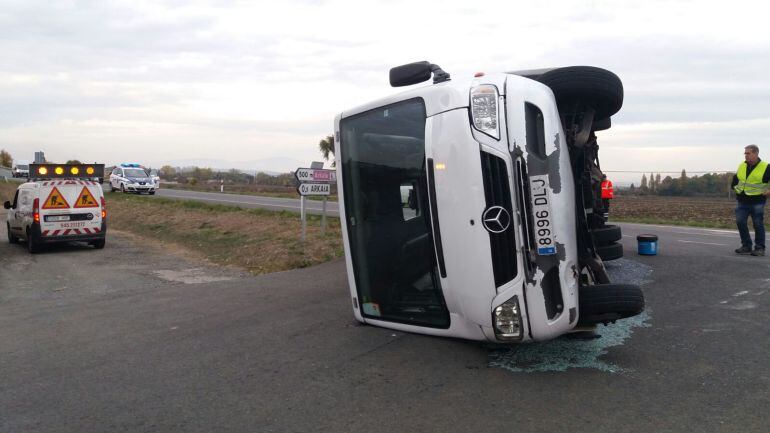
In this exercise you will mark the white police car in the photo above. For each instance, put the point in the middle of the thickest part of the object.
(131, 178)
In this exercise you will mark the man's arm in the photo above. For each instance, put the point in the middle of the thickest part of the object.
(735, 181)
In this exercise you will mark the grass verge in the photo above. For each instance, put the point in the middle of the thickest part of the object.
(257, 240)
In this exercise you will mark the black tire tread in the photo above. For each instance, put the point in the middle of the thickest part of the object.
(602, 303)
(610, 252)
(594, 86)
(606, 235)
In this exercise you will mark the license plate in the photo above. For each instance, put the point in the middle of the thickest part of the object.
(541, 213)
(55, 218)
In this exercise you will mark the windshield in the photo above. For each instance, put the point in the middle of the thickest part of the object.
(153, 172)
(134, 172)
(386, 204)
(22, 167)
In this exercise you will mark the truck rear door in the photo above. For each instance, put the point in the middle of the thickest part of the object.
(70, 207)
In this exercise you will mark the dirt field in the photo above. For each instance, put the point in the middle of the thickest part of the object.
(693, 211)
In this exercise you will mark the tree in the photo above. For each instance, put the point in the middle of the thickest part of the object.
(657, 182)
(326, 146)
(653, 187)
(5, 159)
(643, 186)
(73, 161)
(167, 172)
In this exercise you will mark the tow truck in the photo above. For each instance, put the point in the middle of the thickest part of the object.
(473, 208)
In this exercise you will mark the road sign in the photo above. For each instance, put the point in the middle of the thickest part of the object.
(55, 200)
(314, 189)
(86, 199)
(315, 175)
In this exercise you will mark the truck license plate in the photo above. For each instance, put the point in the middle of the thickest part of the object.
(541, 212)
(54, 218)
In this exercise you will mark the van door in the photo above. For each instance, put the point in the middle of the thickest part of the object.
(69, 208)
(15, 215)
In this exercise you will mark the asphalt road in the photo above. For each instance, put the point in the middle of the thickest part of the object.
(251, 201)
(135, 338)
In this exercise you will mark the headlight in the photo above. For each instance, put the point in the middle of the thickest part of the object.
(484, 110)
(507, 320)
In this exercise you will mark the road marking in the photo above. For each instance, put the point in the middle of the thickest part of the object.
(702, 243)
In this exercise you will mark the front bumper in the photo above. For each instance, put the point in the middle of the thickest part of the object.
(139, 188)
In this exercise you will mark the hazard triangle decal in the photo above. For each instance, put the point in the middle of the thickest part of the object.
(55, 200)
(86, 199)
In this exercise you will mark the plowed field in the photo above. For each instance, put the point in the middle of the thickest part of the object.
(695, 211)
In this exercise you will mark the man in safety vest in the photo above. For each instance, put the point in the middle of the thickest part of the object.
(752, 186)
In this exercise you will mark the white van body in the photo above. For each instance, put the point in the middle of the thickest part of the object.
(443, 262)
(20, 169)
(52, 211)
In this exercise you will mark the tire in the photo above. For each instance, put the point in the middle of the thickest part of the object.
(606, 235)
(122, 188)
(152, 192)
(602, 125)
(112, 188)
(32, 246)
(99, 244)
(605, 303)
(11, 238)
(596, 87)
(609, 252)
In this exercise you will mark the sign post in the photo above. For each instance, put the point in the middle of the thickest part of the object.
(314, 181)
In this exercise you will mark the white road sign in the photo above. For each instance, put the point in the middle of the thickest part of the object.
(315, 175)
(314, 189)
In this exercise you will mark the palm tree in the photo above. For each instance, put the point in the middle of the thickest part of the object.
(326, 146)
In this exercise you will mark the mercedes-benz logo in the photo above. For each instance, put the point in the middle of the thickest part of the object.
(496, 219)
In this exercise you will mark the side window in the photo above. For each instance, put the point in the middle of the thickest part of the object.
(535, 130)
(15, 200)
(409, 202)
(24, 198)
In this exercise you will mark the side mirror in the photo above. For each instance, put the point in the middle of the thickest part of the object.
(417, 72)
(7, 205)
(412, 73)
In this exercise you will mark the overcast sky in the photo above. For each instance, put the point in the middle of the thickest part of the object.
(257, 84)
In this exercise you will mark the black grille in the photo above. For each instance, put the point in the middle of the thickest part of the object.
(498, 193)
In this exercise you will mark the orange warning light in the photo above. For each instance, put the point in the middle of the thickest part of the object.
(42, 171)
(59, 170)
(74, 170)
(90, 170)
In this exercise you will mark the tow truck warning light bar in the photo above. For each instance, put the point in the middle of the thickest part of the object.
(66, 171)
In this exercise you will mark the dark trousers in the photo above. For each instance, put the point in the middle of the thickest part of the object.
(757, 213)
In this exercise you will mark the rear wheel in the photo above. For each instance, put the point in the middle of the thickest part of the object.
(606, 235)
(605, 303)
(11, 238)
(32, 245)
(609, 252)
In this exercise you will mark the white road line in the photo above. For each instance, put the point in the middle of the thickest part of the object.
(702, 243)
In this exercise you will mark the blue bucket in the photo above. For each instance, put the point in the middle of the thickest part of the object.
(648, 245)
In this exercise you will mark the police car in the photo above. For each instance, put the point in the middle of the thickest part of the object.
(131, 178)
(60, 203)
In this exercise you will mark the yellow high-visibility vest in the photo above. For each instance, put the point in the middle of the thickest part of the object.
(751, 185)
